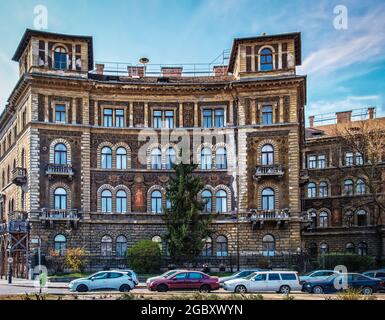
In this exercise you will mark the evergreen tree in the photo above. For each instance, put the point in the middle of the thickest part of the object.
(186, 227)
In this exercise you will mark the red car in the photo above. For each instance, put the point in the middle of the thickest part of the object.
(183, 280)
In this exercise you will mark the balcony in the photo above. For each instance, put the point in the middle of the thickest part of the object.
(19, 176)
(60, 215)
(274, 170)
(17, 215)
(3, 228)
(18, 226)
(63, 170)
(278, 216)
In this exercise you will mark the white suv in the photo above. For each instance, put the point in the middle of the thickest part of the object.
(104, 280)
(274, 281)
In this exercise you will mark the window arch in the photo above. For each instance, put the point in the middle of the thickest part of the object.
(268, 245)
(360, 187)
(121, 246)
(350, 248)
(156, 159)
(267, 155)
(362, 249)
(207, 250)
(170, 158)
(221, 246)
(362, 218)
(206, 159)
(60, 154)
(348, 187)
(266, 57)
(207, 199)
(60, 58)
(221, 201)
(156, 201)
(60, 244)
(324, 248)
(221, 158)
(158, 240)
(311, 190)
(121, 158)
(60, 199)
(268, 199)
(106, 158)
(121, 201)
(323, 219)
(106, 201)
(106, 246)
(323, 189)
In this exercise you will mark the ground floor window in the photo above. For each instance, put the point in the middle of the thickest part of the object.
(221, 245)
(60, 244)
(268, 245)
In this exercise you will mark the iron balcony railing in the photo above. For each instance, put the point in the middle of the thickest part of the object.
(53, 214)
(18, 215)
(3, 228)
(269, 170)
(262, 215)
(18, 226)
(19, 176)
(59, 169)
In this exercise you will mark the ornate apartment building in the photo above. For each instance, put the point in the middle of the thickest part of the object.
(86, 153)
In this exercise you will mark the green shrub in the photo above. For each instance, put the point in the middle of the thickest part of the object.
(353, 262)
(144, 257)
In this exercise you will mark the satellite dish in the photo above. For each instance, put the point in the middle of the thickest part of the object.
(144, 60)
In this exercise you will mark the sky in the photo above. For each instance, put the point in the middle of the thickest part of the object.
(345, 67)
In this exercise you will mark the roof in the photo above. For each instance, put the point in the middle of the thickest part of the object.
(36, 33)
(267, 38)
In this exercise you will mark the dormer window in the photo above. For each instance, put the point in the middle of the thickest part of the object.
(60, 58)
(266, 60)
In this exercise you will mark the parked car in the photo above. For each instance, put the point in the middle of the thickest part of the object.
(341, 282)
(317, 275)
(104, 280)
(163, 276)
(185, 280)
(239, 274)
(274, 281)
(131, 273)
(379, 274)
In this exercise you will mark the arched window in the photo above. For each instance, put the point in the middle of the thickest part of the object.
(323, 219)
(348, 187)
(156, 159)
(313, 218)
(208, 247)
(267, 155)
(158, 240)
(60, 243)
(106, 201)
(106, 246)
(221, 158)
(362, 218)
(207, 199)
(266, 57)
(360, 187)
(60, 58)
(268, 245)
(268, 199)
(313, 249)
(206, 159)
(324, 248)
(60, 196)
(121, 158)
(349, 218)
(311, 190)
(323, 189)
(362, 249)
(60, 154)
(156, 201)
(350, 248)
(221, 244)
(106, 158)
(170, 158)
(121, 201)
(121, 246)
(221, 203)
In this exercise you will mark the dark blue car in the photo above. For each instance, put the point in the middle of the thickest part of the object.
(344, 281)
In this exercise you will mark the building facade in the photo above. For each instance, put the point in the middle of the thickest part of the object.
(86, 151)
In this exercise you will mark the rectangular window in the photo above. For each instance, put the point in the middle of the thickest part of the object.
(321, 161)
(219, 118)
(60, 113)
(157, 119)
(349, 160)
(119, 118)
(163, 119)
(267, 115)
(107, 117)
(312, 162)
(169, 119)
(207, 119)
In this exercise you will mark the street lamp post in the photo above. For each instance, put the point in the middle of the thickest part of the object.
(10, 261)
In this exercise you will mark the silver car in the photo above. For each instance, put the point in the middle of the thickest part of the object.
(104, 280)
(239, 274)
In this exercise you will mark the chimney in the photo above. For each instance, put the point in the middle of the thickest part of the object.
(311, 121)
(344, 116)
(171, 71)
(220, 71)
(99, 68)
(136, 72)
(371, 112)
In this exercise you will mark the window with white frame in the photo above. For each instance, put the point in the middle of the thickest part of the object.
(268, 199)
(106, 158)
(221, 158)
(221, 201)
(206, 159)
(311, 190)
(207, 199)
(349, 159)
(107, 117)
(323, 189)
(323, 219)
(60, 199)
(312, 162)
(267, 155)
(106, 201)
(121, 201)
(60, 113)
(156, 202)
(121, 158)
(60, 154)
(156, 159)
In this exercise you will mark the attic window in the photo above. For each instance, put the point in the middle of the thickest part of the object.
(266, 60)
(60, 58)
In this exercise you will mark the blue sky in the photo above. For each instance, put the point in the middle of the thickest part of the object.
(345, 68)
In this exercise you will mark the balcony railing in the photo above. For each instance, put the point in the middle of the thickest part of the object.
(59, 170)
(66, 215)
(19, 176)
(17, 215)
(272, 215)
(3, 228)
(18, 226)
(268, 171)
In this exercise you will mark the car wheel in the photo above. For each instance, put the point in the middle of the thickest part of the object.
(162, 288)
(205, 288)
(284, 290)
(124, 288)
(367, 291)
(241, 289)
(318, 290)
(81, 288)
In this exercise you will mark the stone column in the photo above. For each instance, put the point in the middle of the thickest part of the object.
(96, 111)
(33, 164)
(146, 114)
(253, 112)
(131, 115)
(181, 115)
(46, 109)
(196, 121)
(281, 105)
(231, 113)
(85, 172)
(73, 102)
